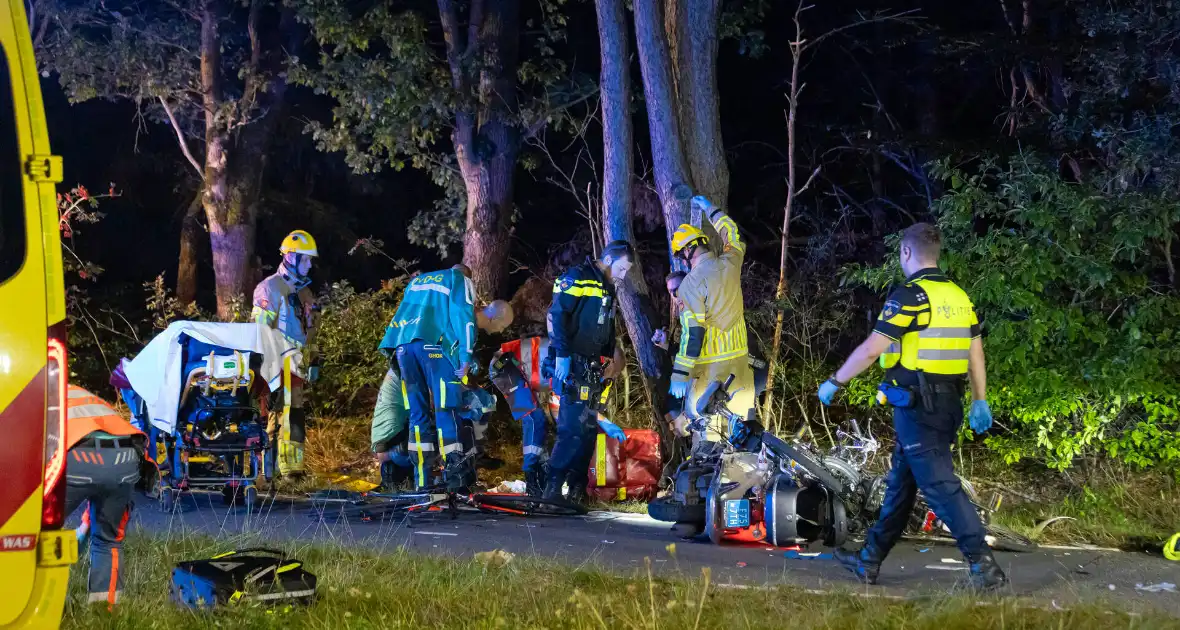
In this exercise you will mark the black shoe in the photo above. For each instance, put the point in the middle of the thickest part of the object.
(458, 473)
(577, 494)
(986, 574)
(534, 483)
(553, 489)
(863, 564)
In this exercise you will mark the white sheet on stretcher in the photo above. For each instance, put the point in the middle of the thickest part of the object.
(155, 375)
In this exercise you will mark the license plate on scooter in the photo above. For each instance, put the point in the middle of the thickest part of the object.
(737, 513)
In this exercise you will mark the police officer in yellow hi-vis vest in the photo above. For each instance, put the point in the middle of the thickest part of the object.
(928, 341)
(284, 301)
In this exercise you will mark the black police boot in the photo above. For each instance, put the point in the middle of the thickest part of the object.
(577, 493)
(534, 483)
(553, 488)
(864, 563)
(986, 574)
(458, 473)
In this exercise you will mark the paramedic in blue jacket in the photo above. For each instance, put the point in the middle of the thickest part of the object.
(432, 337)
(582, 331)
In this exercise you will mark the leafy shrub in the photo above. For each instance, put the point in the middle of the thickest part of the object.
(351, 326)
(1077, 293)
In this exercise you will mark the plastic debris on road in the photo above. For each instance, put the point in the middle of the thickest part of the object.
(608, 542)
(795, 555)
(945, 567)
(741, 564)
(509, 487)
(495, 558)
(924, 550)
(951, 561)
(1162, 587)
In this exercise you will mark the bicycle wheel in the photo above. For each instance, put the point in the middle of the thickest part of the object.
(1001, 538)
(524, 505)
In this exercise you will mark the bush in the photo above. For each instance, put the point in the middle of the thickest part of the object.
(1081, 317)
(351, 326)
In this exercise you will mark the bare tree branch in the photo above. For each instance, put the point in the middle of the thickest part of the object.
(188, 154)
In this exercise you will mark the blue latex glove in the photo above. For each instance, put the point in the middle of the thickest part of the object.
(561, 369)
(611, 429)
(702, 202)
(980, 416)
(678, 389)
(827, 390)
(313, 374)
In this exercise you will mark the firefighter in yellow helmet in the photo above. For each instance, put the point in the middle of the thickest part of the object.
(285, 302)
(713, 342)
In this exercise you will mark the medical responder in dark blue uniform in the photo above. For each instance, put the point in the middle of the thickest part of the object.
(928, 339)
(582, 332)
(432, 337)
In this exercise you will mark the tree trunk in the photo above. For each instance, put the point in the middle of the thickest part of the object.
(236, 150)
(669, 166)
(486, 137)
(191, 239)
(634, 300)
(691, 27)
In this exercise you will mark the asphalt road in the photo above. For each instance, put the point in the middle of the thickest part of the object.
(619, 542)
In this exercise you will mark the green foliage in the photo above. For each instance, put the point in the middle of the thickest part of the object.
(1080, 311)
(396, 99)
(122, 51)
(351, 325)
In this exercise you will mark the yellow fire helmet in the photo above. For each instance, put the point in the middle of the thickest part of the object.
(299, 242)
(686, 235)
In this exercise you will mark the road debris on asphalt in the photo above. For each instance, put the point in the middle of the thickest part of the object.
(1162, 587)
(945, 567)
(795, 555)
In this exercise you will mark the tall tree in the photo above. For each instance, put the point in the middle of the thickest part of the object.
(210, 69)
(692, 27)
(669, 164)
(398, 93)
(618, 175)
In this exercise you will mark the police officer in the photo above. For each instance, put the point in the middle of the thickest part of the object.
(432, 337)
(102, 468)
(284, 301)
(928, 339)
(582, 332)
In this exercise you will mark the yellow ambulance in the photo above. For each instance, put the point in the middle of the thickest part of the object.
(35, 552)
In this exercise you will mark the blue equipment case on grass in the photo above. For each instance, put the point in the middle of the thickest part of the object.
(247, 575)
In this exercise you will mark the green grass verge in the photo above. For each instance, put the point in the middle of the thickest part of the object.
(365, 589)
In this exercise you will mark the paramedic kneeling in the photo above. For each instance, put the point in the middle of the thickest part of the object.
(928, 340)
(102, 468)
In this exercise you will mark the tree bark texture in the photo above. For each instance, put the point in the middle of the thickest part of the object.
(692, 30)
(669, 164)
(486, 138)
(191, 240)
(618, 167)
(237, 139)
